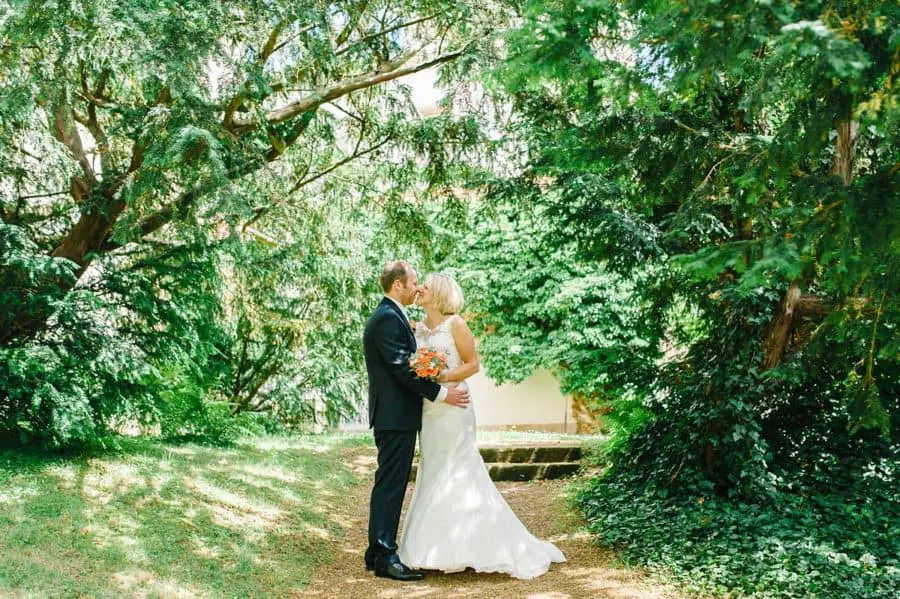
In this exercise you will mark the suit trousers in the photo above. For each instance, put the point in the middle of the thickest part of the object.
(395, 456)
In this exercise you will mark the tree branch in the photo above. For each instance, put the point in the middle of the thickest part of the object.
(304, 182)
(688, 128)
(64, 129)
(793, 306)
(307, 106)
(811, 306)
(352, 22)
(393, 70)
(102, 80)
(267, 50)
(27, 153)
(260, 211)
(44, 195)
(92, 124)
(270, 45)
(387, 31)
(300, 32)
(709, 175)
(165, 214)
(236, 389)
(347, 112)
(179, 207)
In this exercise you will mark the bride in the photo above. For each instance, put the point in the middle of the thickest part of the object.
(457, 518)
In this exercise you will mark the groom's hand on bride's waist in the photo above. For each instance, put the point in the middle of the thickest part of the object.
(457, 396)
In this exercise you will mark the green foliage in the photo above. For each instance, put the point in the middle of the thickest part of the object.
(743, 157)
(293, 338)
(836, 542)
(172, 180)
(97, 363)
(718, 136)
(185, 414)
(536, 307)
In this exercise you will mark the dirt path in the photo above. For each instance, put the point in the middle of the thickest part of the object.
(589, 572)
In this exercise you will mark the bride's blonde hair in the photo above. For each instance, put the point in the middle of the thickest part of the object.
(448, 297)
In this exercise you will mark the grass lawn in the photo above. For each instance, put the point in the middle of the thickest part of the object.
(159, 520)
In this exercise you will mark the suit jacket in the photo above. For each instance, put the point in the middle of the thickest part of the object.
(395, 392)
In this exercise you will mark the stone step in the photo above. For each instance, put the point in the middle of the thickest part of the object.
(523, 471)
(536, 454)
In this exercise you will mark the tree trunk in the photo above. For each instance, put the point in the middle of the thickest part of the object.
(845, 150)
(89, 233)
(587, 419)
(85, 238)
(778, 333)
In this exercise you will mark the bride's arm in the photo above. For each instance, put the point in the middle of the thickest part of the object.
(465, 345)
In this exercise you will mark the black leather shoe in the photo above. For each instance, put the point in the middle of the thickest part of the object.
(370, 565)
(398, 571)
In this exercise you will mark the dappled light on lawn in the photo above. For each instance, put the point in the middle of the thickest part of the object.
(16, 495)
(169, 521)
(133, 579)
(232, 509)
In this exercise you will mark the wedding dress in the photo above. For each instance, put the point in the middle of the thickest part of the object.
(457, 518)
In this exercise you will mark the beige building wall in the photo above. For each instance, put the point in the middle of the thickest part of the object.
(534, 404)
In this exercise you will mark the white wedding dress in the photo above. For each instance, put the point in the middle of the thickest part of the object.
(457, 518)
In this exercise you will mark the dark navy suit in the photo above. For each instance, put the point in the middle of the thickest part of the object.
(395, 412)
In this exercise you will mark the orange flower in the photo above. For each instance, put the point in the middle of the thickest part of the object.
(427, 363)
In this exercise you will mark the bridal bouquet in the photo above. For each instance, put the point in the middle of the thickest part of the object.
(428, 363)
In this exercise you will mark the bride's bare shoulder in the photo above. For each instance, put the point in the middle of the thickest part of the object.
(458, 322)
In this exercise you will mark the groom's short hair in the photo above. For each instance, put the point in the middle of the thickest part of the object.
(398, 270)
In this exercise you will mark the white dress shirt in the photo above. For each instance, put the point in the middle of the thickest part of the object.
(442, 394)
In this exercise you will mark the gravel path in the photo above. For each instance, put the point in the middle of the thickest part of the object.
(589, 572)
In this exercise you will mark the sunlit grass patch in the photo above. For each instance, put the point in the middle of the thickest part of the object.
(319, 442)
(161, 520)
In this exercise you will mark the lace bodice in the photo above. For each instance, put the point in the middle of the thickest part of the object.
(441, 339)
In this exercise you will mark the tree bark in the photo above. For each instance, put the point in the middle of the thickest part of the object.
(845, 150)
(793, 304)
(779, 332)
(90, 232)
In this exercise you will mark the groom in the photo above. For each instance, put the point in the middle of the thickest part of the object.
(395, 412)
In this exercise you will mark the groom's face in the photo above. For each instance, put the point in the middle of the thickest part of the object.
(410, 289)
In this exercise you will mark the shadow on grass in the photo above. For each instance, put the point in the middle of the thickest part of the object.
(167, 520)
